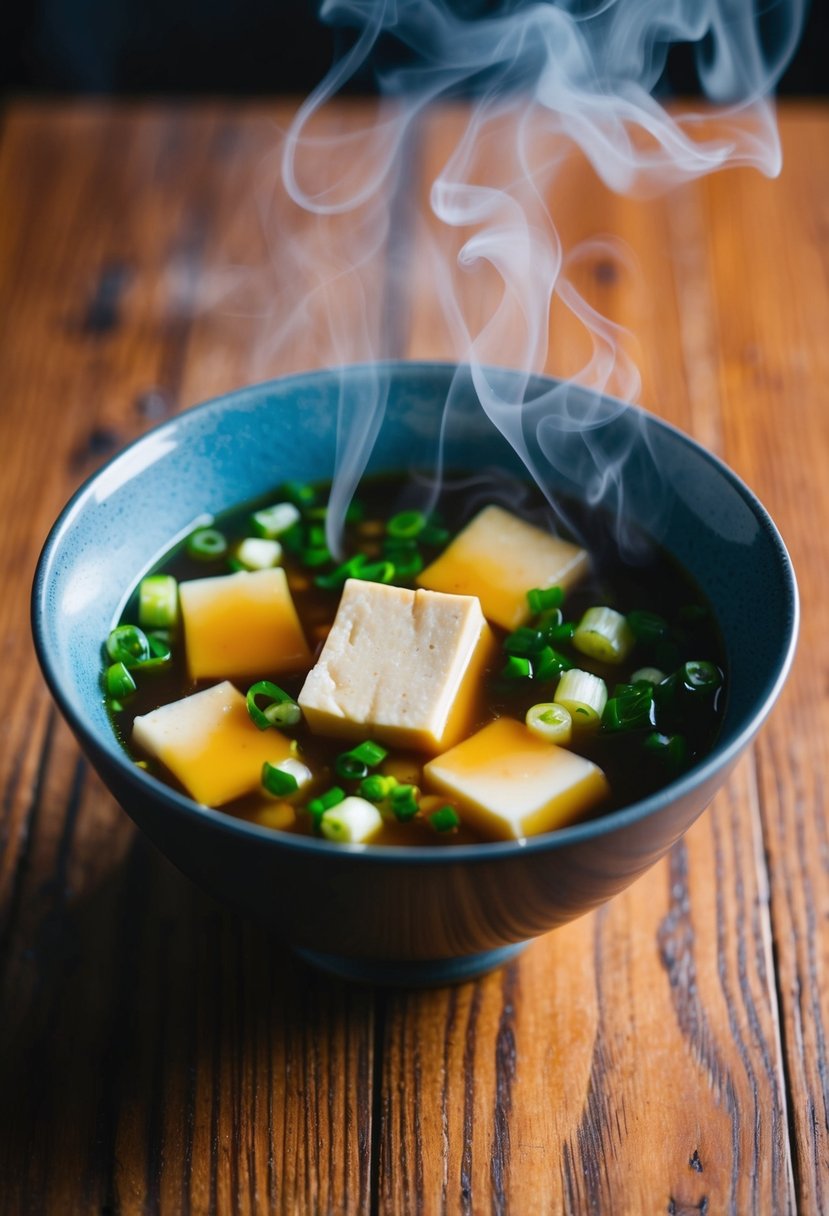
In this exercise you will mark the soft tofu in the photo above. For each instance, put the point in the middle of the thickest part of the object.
(241, 626)
(209, 743)
(400, 666)
(509, 784)
(499, 558)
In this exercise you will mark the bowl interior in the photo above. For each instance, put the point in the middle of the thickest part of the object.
(243, 445)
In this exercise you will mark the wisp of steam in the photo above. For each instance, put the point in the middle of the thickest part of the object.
(539, 78)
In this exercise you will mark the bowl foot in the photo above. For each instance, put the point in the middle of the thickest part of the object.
(426, 973)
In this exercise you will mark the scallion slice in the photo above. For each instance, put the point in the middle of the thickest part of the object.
(699, 675)
(406, 524)
(350, 767)
(631, 709)
(370, 753)
(524, 641)
(550, 722)
(542, 598)
(647, 627)
(517, 668)
(445, 819)
(278, 780)
(128, 644)
(206, 544)
(584, 695)
(651, 675)
(549, 664)
(376, 787)
(353, 821)
(158, 601)
(324, 802)
(282, 709)
(258, 553)
(119, 682)
(604, 634)
(272, 521)
(404, 801)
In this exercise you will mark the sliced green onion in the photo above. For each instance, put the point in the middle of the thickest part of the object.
(370, 753)
(350, 767)
(271, 522)
(646, 626)
(119, 682)
(524, 641)
(377, 572)
(407, 562)
(584, 695)
(278, 780)
(376, 787)
(158, 601)
(700, 676)
(128, 644)
(651, 675)
(206, 544)
(517, 668)
(404, 802)
(550, 722)
(542, 598)
(445, 819)
(324, 802)
(282, 710)
(258, 553)
(314, 557)
(316, 537)
(160, 653)
(549, 664)
(604, 634)
(670, 749)
(631, 709)
(348, 569)
(406, 524)
(301, 495)
(353, 821)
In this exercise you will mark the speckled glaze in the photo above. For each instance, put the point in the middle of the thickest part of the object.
(408, 916)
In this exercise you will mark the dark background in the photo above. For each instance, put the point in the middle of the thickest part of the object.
(240, 47)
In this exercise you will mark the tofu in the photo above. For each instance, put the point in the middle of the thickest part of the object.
(241, 626)
(509, 784)
(209, 743)
(499, 558)
(400, 666)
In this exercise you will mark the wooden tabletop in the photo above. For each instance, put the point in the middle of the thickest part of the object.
(665, 1054)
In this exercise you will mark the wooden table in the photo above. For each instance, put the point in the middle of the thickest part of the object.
(666, 1054)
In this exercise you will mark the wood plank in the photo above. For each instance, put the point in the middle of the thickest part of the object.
(157, 1054)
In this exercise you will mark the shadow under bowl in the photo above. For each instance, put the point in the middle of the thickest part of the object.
(411, 915)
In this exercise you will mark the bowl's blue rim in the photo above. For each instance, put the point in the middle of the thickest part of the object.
(480, 853)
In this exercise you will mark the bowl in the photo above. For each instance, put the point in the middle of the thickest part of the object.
(411, 915)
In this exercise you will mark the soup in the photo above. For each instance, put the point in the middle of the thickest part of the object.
(461, 675)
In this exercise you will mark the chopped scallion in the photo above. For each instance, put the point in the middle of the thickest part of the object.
(370, 753)
(324, 802)
(445, 819)
(542, 598)
(631, 709)
(350, 767)
(404, 802)
(278, 781)
(353, 821)
(376, 787)
(604, 634)
(517, 668)
(158, 601)
(406, 524)
(550, 722)
(128, 644)
(584, 695)
(524, 641)
(647, 627)
(282, 709)
(700, 676)
(549, 664)
(258, 553)
(206, 544)
(119, 682)
(650, 674)
(271, 522)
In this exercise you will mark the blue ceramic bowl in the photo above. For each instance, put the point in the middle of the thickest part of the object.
(413, 915)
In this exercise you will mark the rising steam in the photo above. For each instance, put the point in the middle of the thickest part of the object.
(544, 78)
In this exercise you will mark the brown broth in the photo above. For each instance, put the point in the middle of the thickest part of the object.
(658, 585)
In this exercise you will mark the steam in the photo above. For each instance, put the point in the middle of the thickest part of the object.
(546, 79)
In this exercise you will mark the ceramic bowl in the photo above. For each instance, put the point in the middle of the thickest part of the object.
(416, 915)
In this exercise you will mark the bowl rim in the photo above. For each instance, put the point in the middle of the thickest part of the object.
(717, 759)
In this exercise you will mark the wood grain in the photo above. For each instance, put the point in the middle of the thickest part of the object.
(667, 1054)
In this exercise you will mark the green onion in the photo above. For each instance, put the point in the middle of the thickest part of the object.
(584, 695)
(542, 598)
(630, 709)
(558, 632)
(604, 634)
(647, 626)
(517, 668)
(444, 819)
(278, 780)
(348, 569)
(314, 557)
(406, 524)
(316, 536)
(700, 676)
(350, 767)
(670, 749)
(158, 601)
(524, 641)
(377, 572)
(549, 664)
(324, 802)
(302, 496)
(282, 710)
(404, 802)
(353, 821)
(258, 553)
(650, 674)
(128, 644)
(271, 522)
(160, 653)
(550, 722)
(370, 753)
(375, 787)
(407, 562)
(119, 682)
(206, 544)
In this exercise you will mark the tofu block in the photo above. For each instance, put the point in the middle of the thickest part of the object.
(400, 666)
(509, 784)
(241, 626)
(499, 558)
(209, 743)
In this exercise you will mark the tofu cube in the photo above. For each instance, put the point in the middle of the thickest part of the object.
(499, 558)
(209, 743)
(509, 784)
(241, 626)
(402, 666)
